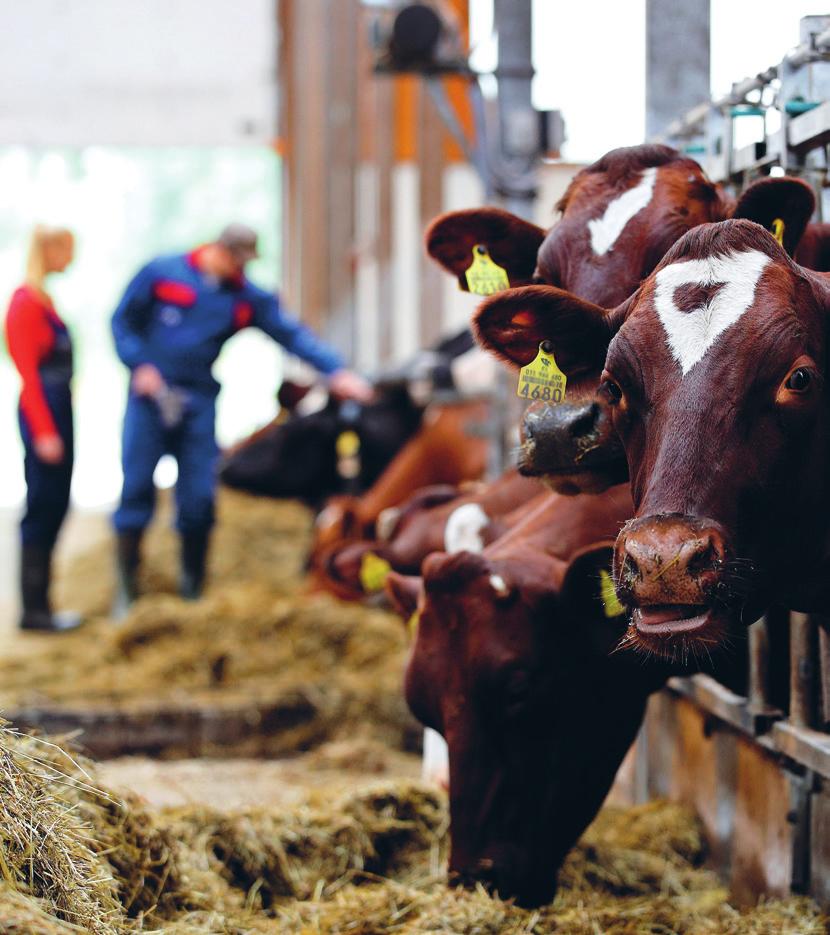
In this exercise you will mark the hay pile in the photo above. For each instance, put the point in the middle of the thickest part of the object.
(366, 860)
(253, 641)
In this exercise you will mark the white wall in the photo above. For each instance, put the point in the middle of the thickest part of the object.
(80, 72)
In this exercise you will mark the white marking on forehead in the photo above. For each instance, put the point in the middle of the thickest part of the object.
(463, 530)
(691, 334)
(606, 229)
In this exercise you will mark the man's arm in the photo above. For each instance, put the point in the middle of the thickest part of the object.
(130, 319)
(292, 334)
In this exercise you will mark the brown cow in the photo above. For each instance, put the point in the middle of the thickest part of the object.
(435, 519)
(511, 664)
(619, 216)
(716, 381)
(573, 446)
(447, 449)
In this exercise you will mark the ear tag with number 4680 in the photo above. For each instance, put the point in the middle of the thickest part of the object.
(484, 277)
(542, 379)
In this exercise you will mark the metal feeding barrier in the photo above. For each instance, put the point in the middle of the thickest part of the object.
(753, 758)
(793, 100)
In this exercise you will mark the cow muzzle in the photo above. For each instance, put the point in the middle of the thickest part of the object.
(670, 571)
(572, 447)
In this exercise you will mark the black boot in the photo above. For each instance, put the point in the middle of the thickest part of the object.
(194, 558)
(35, 575)
(128, 555)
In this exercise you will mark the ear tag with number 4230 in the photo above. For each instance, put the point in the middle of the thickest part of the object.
(542, 379)
(484, 277)
(610, 602)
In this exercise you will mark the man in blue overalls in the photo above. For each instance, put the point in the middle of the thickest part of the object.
(169, 328)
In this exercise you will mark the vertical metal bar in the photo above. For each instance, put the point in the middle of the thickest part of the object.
(677, 60)
(802, 668)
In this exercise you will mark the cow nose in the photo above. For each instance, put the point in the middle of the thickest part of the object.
(553, 435)
(669, 559)
(583, 420)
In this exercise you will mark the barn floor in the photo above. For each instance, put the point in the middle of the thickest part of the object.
(339, 838)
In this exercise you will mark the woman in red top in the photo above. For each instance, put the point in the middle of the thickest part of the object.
(40, 346)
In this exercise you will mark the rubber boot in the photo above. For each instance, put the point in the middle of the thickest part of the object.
(35, 575)
(194, 559)
(128, 556)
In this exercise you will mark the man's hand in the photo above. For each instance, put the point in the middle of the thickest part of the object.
(49, 449)
(346, 384)
(147, 381)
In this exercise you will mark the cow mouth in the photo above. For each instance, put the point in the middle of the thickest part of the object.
(671, 619)
(684, 634)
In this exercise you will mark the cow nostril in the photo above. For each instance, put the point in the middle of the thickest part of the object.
(706, 558)
(585, 423)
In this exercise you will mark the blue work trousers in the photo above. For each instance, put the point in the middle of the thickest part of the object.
(192, 443)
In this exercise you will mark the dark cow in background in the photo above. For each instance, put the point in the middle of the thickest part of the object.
(715, 375)
(512, 663)
(311, 457)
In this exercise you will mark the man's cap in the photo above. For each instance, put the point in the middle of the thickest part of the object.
(240, 240)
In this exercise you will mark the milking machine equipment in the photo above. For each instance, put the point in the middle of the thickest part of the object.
(792, 100)
(509, 137)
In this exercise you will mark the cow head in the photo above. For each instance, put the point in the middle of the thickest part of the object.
(510, 663)
(619, 216)
(715, 379)
(574, 446)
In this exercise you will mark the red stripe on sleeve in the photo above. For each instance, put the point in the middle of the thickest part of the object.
(30, 338)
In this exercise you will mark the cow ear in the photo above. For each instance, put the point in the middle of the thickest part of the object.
(404, 592)
(513, 323)
(587, 595)
(782, 205)
(511, 242)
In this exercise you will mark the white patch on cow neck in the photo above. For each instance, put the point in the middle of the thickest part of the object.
(436, 762)
(464, 527)
(691, 334)
(606, 229)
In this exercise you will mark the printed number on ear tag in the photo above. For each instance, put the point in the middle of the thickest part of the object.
(610, 602)
(777, 230)
(484, 277)
(542, 379)
(373, 572)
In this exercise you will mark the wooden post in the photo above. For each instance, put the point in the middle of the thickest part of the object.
(759, 665)
(339, 143)
(430, 156)
(824, 671)
(802, 667)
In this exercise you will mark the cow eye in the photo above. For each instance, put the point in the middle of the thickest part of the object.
(800, 380)
(612, 390)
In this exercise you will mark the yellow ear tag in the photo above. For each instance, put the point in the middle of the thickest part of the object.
(484, 277)
(373, 572)
(542, 379)
(347, 444)
(412, 624)
(777, 230)
(610, 602)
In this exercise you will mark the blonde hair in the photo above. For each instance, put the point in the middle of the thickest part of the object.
(43, 237)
